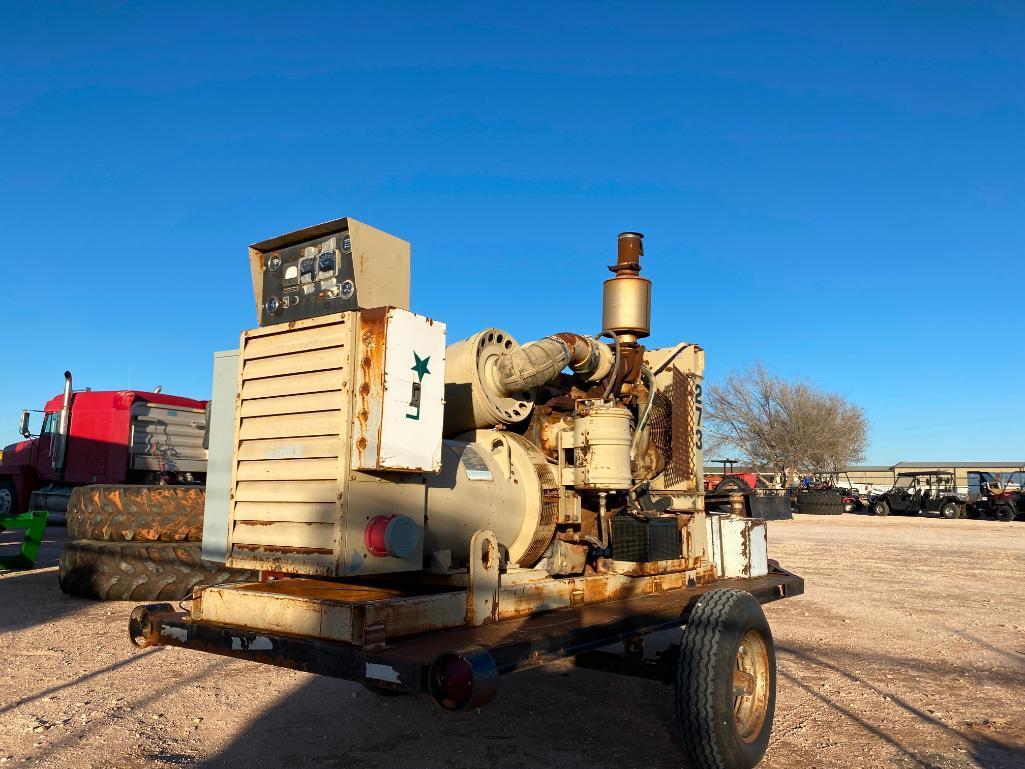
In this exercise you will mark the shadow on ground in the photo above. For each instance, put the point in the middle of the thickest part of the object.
(535, 721)
(987, 752)
(33, 597)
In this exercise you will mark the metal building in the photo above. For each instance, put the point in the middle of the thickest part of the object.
(880, 475)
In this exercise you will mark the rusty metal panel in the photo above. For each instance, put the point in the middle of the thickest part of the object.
(738, 546)
(256, 608)
(333, 611)
(399, 392)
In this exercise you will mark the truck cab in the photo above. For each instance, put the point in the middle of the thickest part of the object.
(110, 436)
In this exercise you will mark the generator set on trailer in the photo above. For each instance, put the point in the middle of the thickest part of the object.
(427, 517)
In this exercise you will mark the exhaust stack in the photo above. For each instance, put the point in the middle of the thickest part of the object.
(59, 444)
(626, 307)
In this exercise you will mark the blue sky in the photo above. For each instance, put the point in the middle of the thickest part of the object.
(836, 189)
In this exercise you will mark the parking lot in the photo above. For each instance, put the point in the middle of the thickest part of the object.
(908, 650)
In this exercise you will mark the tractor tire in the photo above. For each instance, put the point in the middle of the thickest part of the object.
(819, 502)
(137, 513)
(8, 498)
(140, 571)
(950, 511)
(726, 682)
(730, 485)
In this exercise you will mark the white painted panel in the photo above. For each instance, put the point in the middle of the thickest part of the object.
(759, 551)
(742, 547)
(414, 355)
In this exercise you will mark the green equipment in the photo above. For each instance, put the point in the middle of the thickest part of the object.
(34, 524)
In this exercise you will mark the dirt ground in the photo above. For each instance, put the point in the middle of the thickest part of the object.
(908, 650)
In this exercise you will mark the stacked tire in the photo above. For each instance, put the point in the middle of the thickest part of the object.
(819, 502)
(138, 543)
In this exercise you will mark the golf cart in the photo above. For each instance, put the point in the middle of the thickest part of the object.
(919, 493)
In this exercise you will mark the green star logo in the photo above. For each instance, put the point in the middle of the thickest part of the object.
(420, 366)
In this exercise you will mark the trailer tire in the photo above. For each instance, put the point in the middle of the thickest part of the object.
(140, 571)
(8, 498)
(114, 513)
(819, 502)
(881, 507)
(726, 645)
(950, 511)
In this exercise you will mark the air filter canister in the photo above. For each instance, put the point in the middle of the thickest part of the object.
(602, 448)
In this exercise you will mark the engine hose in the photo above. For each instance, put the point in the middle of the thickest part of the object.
(602, 542)
(615, 363)
(642, 423)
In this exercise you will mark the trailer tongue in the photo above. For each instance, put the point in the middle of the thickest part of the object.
(429, 517)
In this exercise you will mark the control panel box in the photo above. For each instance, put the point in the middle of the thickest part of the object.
(338, 266)
(338, 417)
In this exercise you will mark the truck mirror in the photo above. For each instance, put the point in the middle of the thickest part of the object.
(23, 425)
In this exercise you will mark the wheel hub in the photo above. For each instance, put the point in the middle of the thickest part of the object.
(751, 685)
(6, 502)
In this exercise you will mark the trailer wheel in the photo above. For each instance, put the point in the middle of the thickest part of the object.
(950, 511)
(140, 571)
(8, 498)
(726, 682)
(881, 507)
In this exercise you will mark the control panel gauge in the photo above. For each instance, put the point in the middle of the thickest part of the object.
(308, 279)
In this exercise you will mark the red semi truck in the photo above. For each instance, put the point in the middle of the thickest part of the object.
(102, 437)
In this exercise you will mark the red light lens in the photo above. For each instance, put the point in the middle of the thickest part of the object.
(374, 538)
(452, 682)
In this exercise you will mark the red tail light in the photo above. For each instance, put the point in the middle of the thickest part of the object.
(463, 680)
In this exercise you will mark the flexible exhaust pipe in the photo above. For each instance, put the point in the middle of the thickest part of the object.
(538, 363)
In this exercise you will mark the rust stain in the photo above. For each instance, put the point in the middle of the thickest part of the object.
(373, 324)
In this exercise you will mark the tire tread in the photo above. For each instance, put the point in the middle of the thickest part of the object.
(140, 571)
(121, 513)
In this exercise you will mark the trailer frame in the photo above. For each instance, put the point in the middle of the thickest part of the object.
(494, 649)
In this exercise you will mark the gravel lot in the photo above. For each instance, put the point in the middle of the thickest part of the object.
(908, 650)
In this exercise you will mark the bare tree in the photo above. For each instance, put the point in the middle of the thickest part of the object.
(788, 426)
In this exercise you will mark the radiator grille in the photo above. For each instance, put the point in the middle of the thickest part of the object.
(673, 430)
(291, 427)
